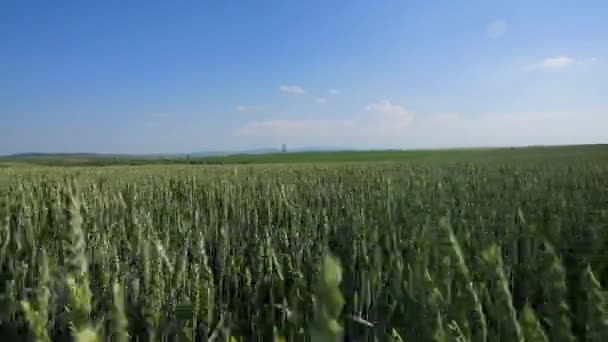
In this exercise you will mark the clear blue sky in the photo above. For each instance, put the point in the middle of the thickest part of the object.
(183, 76)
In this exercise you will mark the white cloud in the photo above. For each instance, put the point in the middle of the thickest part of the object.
(382, 127)
(395, 116)
(321, 100)
(381, 119)
(292, 89)
(553, 63)
(333, 91)
(497, 29)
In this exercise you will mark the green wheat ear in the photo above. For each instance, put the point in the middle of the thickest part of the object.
(554, 275)
(36, 312)
(86, 335)
(505, 311)
(74, 242)
(478, 332)
(531, 327)
(597, 308)
(330, 303)
(36, 321)
(395, 337)
(119, 323)
(77, 278)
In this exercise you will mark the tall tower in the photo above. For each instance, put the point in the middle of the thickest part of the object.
(284, 148)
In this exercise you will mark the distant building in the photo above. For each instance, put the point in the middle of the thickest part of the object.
(284, 148)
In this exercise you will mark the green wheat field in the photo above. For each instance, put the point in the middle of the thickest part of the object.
(479, 245)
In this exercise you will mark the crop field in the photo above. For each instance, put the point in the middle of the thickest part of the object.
(511, 247)
(544, 154)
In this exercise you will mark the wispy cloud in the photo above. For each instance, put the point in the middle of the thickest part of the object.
(282, 128)
(509, 129)
(375, 129)
(321, 100)
(333, 91)
(381, 119)
(497, 29)
(587, 60)
(292, 89)
(395, 116)
(553, 63)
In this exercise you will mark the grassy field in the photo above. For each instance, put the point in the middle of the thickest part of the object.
(564, 153)
(592, 152)
(453, 245)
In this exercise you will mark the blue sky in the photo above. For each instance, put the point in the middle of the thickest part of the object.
(183, 76)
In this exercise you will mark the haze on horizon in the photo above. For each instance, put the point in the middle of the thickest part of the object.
(179, 77)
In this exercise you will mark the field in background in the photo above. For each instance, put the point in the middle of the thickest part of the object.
(581, 152)
(575, 152)
(460, 245)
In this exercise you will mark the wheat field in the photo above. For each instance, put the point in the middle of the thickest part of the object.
(318, 252)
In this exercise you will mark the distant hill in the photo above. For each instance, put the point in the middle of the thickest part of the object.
(38, 155)
(313, 155)
(265, 150)
(229, 153)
